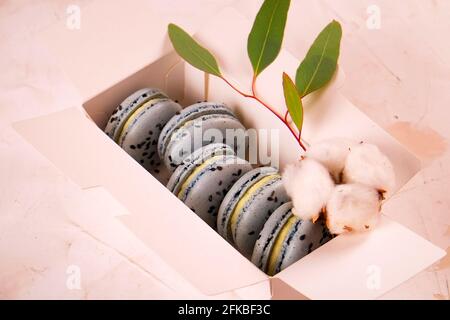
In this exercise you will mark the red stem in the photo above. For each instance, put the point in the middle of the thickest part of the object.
(255, 97)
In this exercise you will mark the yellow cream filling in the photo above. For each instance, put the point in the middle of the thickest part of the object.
(133, 116)
(278, 245)
(246, 197)
(197, 170)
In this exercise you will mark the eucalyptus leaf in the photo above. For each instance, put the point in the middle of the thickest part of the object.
(192, 51)
(293, 101)
(319, 64)
(266, 36)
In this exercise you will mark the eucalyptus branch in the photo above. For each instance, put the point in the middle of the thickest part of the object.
(263, 46)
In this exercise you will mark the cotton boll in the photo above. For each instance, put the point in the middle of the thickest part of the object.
(366, 164)
(352, 207)
(309, 185)
(332, 153)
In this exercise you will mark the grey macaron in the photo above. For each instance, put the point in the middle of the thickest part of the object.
(248, 205)
(204, 178)
(136, 124)
(285, 239)
(196, 126)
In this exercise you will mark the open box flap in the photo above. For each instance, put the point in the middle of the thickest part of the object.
(362, 265)
(115, 39)
(75, 144)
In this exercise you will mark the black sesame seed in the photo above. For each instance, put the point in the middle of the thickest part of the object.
(251, 233)
(302, 237)
(210, 198)
(132, 146)
(219, 168)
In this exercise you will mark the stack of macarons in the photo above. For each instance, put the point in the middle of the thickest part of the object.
(248, 206)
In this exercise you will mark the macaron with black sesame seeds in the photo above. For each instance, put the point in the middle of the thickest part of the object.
(179, 137)
(286, 239)
(204, 178)
(136, 123)
(248, 205)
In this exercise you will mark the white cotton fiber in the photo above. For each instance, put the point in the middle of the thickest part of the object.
(352, 207)
(367, 165)
(309, 185)
(332, 153)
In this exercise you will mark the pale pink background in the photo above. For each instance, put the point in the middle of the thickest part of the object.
(399, 75)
